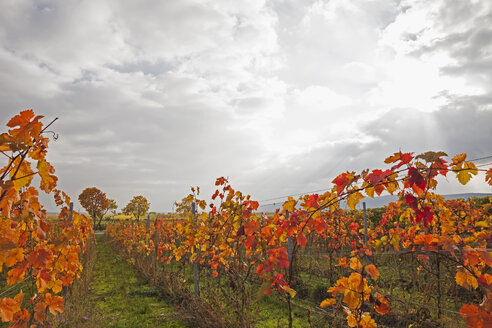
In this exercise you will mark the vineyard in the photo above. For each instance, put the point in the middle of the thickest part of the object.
(422, 261)
(39, 259)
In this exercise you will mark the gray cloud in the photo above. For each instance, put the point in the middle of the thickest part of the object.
(280, 96)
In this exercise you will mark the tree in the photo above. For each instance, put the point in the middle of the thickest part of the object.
(112, 207)
(138, 206)
(95, 202)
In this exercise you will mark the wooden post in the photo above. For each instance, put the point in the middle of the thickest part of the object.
(289, 277)
(196, 277)
(289, 242)
(365, 229)
(70, 217)
(148, 228)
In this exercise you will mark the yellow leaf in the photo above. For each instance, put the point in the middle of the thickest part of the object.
(327, 302)
(465, 279)
(352, 322)
(355, 264)
(290, 204)
(367, 322)
(354, 199)
(290, 291)
(465, 173)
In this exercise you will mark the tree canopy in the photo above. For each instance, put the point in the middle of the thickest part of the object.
(137, 207)
(95, 202)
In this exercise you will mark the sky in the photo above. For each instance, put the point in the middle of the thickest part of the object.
(280, 96)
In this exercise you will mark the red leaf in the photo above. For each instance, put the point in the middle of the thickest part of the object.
(416, 181)
(312, 201)
(251, 227)
(301, 239)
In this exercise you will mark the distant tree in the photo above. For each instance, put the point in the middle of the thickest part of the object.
(95, 202)
(112, 207)
(137, 207)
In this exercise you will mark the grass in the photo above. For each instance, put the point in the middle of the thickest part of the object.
(124, 298)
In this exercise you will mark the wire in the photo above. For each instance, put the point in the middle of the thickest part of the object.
(485, 164)
(292, 195)
(478, 159)
(401, 252)
(326, 189)
(11, 287)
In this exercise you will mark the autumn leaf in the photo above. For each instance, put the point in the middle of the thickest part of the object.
(466, 279)
(312, 201)
(327, 302)
(369, 191)
(251, 227)
(343, 262)
(465, 172)
(355, 264)
(431, 156)
(290, 291)
(290, 204)
(351, 321)
(474, 316)
(23, 174)
(459, 159)
(353, 199)
(372, 271)
(43, 280)
(39, 311)
(9, 306)
(56, 286)
(54, 303)
(7, 202)
(381, 305)
(301, 239)
(367, 322)
(48, 179)
(14, 255)
(488, 176)
(23, 118)
(416, 181)
(342, 181)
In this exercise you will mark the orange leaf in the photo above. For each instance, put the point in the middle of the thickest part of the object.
(251, 227)
(9, 306)
(48, 179)
(459, 158)
(343, 262)
(474, 317)
(355, 264)
(43, 280)
(367, 322)
(327, 302)
(488, 176)
(54, 303)
(372, 271)
(465, 279)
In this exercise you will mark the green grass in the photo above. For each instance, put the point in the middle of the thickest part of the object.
(124, 298)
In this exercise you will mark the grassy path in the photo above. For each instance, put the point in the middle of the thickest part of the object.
(122, 297)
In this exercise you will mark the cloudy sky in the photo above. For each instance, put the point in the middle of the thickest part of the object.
(282, 95)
